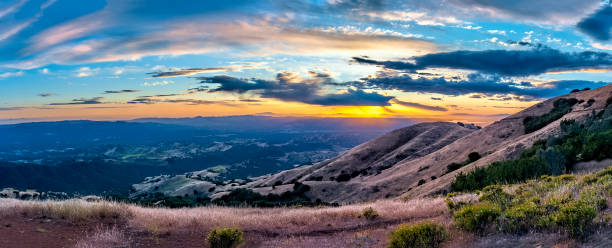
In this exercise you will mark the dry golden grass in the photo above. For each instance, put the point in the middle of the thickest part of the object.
(101, 237)
(286, 220)
(278, 220)
(74, 210)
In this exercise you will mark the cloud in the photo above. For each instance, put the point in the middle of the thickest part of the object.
(437, 12)
(21, 25)
(11, 74)
(160, 99)
(598, 24)
(78, 101)
(86, 71)
(10, 108)
(120, 91)
(552, 12)
(94, 40)
(475, 84)
(12, 8)
(45, 94)
(421, 18)
(157, 83)
(185, 72)
(288, 87)
(419, 106)
(502, 62)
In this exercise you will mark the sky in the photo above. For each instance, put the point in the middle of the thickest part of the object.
(439, 60)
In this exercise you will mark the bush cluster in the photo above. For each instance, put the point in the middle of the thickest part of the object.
(561, 107)
(543, 204)
(476, 217)
(422, 235)
(224, 237)
(246, 197)
(369, 213)
(473, 156)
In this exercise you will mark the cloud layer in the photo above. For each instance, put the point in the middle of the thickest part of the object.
(476, 83)
(289, 87)
(598, 24)
(502, 62)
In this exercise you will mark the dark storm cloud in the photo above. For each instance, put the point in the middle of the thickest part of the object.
(287, 87)
(476, 83)
(120, 91)
(502, 62)
(94, 100)
(419, 106)
(598, 24)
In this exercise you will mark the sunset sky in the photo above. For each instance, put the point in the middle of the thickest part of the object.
(452, 60)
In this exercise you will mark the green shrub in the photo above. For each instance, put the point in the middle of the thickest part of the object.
(423, 235)
(577, 218)
(594, 197)
(561, 107)
(343, 177)
(510, 171)
(453, 167)
(473, 156)
(607, 171)
(476, 217)
(454, 205)
(224, 237)
(522, 218)
(369, 213)
(421, 182)
(496, 195)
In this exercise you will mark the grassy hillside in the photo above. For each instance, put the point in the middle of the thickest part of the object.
(583, 140)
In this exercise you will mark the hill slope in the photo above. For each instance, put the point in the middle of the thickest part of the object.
(413, 161)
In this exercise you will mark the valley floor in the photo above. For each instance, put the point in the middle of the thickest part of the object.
(77, 223)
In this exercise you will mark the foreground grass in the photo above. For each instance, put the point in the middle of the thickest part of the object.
(281, 221)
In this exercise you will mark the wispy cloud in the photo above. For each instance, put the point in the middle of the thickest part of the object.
(120, 91)
(12, 8)
(78, 101)
(11, 74)
(86, 71)
(419, 106)
(257, 38)
(157, 83)
(10, 108)
(185, 72)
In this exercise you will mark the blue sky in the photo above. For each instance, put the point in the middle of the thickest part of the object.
(464, 60)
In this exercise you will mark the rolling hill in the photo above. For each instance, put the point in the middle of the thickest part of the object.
(412, 161)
